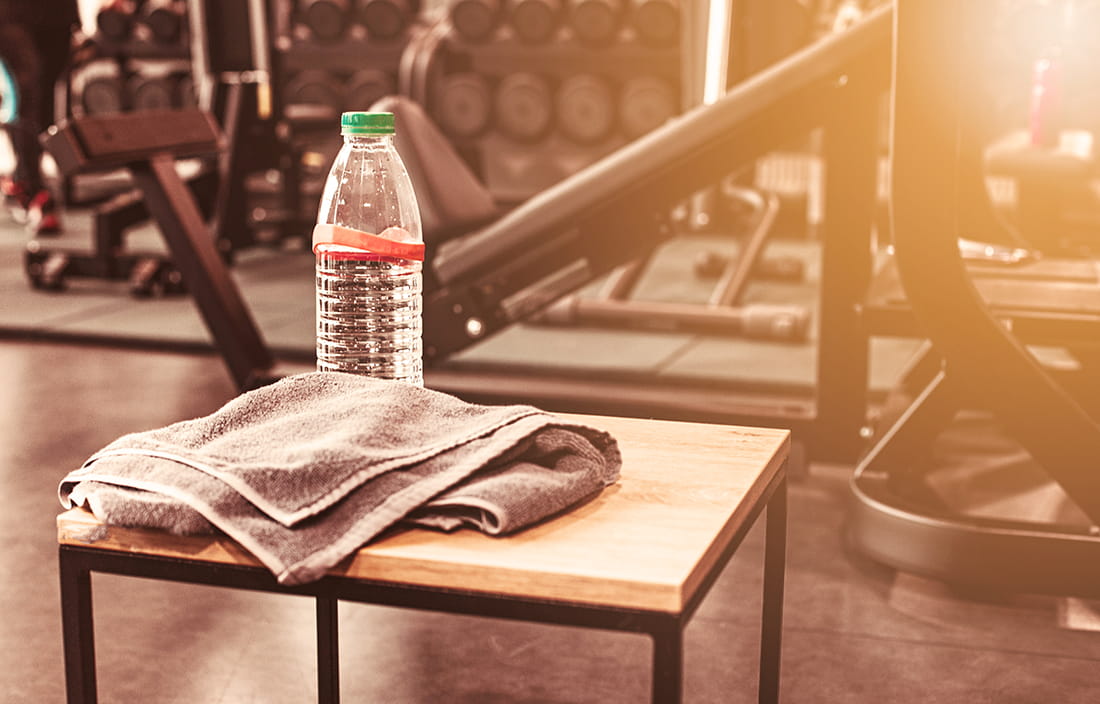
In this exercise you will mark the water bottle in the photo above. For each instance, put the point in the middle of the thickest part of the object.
(369, 249)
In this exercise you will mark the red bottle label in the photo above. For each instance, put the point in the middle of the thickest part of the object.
(392, 242)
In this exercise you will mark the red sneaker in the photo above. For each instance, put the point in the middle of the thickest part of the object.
(16, 197)
(42, 216)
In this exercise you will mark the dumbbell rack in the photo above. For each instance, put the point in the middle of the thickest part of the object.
(332, 56)
(138, 59)
(529, 102)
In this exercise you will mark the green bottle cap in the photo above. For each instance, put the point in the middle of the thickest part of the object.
(366, 123)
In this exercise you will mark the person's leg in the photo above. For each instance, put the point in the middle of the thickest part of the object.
(53, 42)
(17, 48)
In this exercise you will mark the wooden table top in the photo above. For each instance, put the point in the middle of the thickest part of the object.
(644, 543)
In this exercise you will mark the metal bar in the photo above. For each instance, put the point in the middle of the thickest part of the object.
(200, 52)
(256, 578)
(328, 651)
(775, 564)
(909, 436)
(730, 289)
(851, 156)
(78, 632)
(668, 662)
(681, 317)
(735, 542)
(622, 279)
(216, 294)
(229, 227)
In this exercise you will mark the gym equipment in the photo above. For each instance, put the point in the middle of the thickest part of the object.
(452, 201)
(115, 20)
(366, 87)
(535, 21)
(327, 20)
(153, 92)
(979, 322)
(585, 108)
(657, 22)
(148, 144)
(475, 20)
(165, 19)
(723, 314)
(465, 105)
(645, 103)
(386, 20)
(527, 114)
(490, 276)
(314, 87)
(524, 106)
(99, 88)
(596, 22)
(618, 208)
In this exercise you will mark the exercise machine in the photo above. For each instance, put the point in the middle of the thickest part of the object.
(148, 145)
(982, 326)
(618, 209)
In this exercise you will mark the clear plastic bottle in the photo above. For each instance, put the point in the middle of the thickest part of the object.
(369, 248)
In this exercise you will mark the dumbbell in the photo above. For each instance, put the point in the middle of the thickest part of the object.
(475, 20)
(657, 22)
(115, 20)
(524, 106)
(365, 87)
(387, 19)
(585, 108)
(165, 20)
(596, 22)
(313, 96)
(535, 21)
(326, 19)
(464, 105)
(100, 88)
(152, 92)
(646, 102)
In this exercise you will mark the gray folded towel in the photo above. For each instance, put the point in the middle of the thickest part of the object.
(305, 471)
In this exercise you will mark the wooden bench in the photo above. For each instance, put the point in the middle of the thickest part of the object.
(639, 557)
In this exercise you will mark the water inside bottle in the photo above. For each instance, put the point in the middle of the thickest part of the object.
(368, 315)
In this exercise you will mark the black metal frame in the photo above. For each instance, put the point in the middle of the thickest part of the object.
(724, 312)
(979, 355)
(148, 144)
(665, 628)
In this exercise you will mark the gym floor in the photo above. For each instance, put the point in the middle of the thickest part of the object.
(855, 631)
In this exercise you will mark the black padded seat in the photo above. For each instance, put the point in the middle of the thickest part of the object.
(452, 199)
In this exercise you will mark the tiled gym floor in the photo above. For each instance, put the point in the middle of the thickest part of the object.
(854, 631)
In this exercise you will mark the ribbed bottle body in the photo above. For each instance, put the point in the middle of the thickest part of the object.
(369, 304)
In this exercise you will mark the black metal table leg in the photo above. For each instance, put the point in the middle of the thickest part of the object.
(771, 627)
(668, 656)
(328, 651)
(77, 629)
